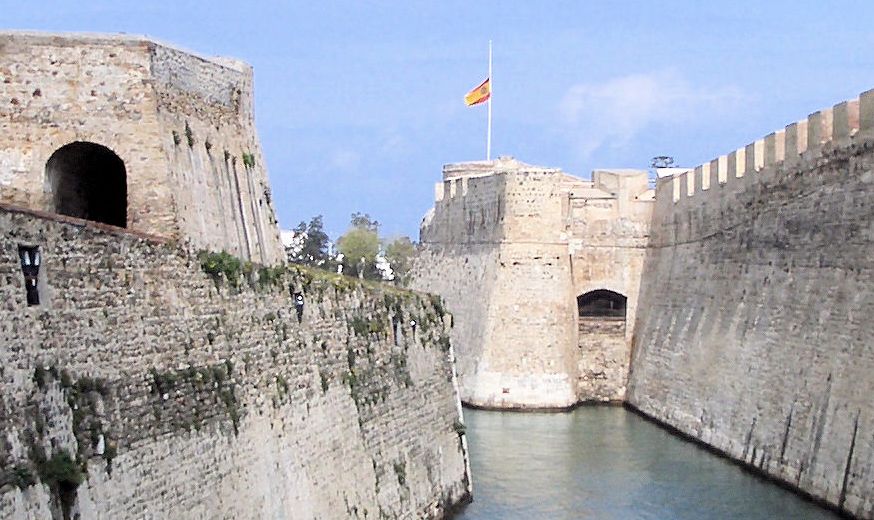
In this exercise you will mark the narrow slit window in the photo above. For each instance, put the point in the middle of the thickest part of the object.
(30, 262)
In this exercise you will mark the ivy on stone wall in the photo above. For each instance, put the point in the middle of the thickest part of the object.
(190, 397)
(49, 462)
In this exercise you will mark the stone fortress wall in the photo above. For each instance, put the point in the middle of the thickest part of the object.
(182, 125)
(185, 397)
(143, 379)
(749, 290)
(754, 331)
(510, 246)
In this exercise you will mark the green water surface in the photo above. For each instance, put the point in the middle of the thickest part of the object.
(608, 463)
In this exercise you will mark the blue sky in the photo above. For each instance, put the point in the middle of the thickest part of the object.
(358, 104)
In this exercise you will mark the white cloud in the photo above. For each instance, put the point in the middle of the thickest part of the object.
(614, 112)
(345, 160)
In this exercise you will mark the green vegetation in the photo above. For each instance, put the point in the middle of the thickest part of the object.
(87, 384)
(443, 342)
(196, 383)
(43, 376)
(399, 253)
(281, 385)
(271, 277)
(19, 476)
(224, 266)
(365, 327)
(312, 249)
(189, 135)
(163, 382)
(249, 159)
(325, 379)
(66, 379)
(437, 303)
(60, 471)
(221, 265)
(401, 471)
(360, 246)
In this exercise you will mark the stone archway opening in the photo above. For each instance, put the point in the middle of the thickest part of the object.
(603, 346)
(602, 303)
(88, 181)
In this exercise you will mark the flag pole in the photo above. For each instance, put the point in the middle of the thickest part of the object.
(491, 94)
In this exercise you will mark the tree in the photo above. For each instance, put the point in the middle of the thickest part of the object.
(311, 244)
(364, 221)
(359, 247)
(399, 253)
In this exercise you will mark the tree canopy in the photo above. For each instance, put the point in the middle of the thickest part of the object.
(362, 252)
(399, 254)
(360, 247)
(312, 244)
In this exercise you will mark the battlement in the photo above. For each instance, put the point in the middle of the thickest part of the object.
(506, 199)
(824, 131)
(605, 183)
(457, 176)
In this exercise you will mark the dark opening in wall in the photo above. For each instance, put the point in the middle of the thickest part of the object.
(88, 181)
(601, 303)
(30, 260)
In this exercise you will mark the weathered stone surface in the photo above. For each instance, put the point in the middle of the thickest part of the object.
(181, 123)
(510, 246)
(188, 398)
(753, 334)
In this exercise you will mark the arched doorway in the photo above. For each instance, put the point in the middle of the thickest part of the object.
(602, 303)
(604, 348)
(88, 181)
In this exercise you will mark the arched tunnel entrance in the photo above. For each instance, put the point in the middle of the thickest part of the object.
(602, 303)
(603, 348)
(88, 181)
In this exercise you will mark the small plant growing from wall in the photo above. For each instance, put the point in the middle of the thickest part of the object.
(189, 135)
(221, 265)
(248, 160)
(63, 475)
(401, 471)
(19, 476)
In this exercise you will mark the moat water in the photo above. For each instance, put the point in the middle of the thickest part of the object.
(606, 463)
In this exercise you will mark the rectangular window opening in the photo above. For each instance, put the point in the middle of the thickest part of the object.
(30, 262)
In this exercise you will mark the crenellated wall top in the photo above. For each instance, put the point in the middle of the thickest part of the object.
(832, 128)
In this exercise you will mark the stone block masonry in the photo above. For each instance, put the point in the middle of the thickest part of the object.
(754, 331)
(152, 383)
(180, 127)
(511, 247)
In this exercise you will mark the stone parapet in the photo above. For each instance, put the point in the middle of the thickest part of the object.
(752, 333)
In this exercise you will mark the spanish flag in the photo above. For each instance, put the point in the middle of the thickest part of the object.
(480, 94)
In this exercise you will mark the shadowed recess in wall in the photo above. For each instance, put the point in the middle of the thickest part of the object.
(601, 303)
(88, 181)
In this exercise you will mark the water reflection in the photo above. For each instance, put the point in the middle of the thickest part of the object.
(607, 463)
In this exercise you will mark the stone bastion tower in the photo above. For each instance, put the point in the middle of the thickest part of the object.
(136, 134)
(541, 271)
